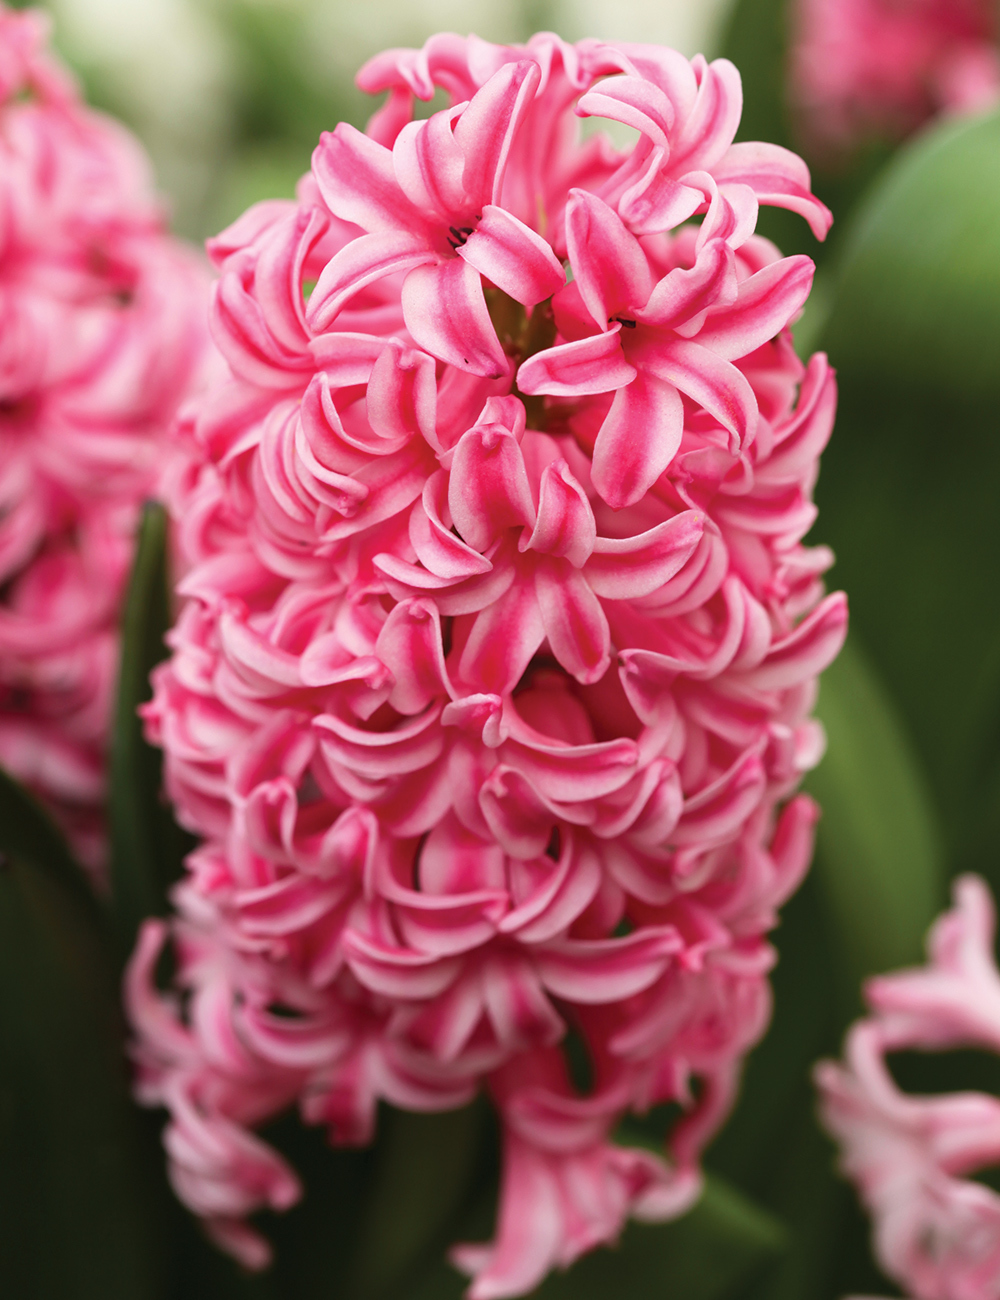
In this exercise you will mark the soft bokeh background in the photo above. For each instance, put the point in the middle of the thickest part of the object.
(230, 95)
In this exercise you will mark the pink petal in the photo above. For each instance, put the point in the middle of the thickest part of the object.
(362, 261)
(565, 525)
(446, 313)
(428, 163)
(503, 639)
(486, 129)
(447, 924)
(709, 129)
(530, 1230)
(732, 213)
(716, 811)
(638, 440)
(521, 1014)
(358, 182)
(410, 646)
(397, 972)
(488, 489)
(566, 892)
(437, 547)
(766, 304)
(629, 567)
(521, 821)
(575, 623)
(714, 383)
(401, 398)
(453, 860)
(608, 261)
(375, 755)
(778, 177)
(514, 257)
(575, 773)
(288, 905)
(806, 652)
(657, 202)
(635, 102)
(595, 971)
(685, 295)
(594, 365)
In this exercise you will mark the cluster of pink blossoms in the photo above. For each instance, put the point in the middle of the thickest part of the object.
(101, 331)
(882, 67)
(937, 1230)
(492, 686)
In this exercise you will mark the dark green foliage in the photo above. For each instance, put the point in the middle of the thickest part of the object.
(908, 495)
(879, 869)
(918, 299)
(711, 1254)
(876, 884)
(147, 846)
(76, 1204)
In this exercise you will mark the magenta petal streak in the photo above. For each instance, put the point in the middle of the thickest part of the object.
(491, 691)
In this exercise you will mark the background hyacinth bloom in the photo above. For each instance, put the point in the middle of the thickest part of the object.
(491, 744)
(937, 1232)
(876, 67)
(102, 333)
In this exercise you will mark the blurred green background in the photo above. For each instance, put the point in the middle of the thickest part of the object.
(230, 95)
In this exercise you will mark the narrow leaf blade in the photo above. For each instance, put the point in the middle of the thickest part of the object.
(146, 845)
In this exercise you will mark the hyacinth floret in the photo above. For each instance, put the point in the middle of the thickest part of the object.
(914, 1158)
(102, 333)
(491, 688)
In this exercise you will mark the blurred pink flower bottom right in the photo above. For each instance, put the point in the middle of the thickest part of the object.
(937, 1232)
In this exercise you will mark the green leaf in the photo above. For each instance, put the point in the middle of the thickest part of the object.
(879, 864)
(709, 1254)
(146, 845)
(909, 485)
(772, 1147)
(919, 296)
(425, 1166)
(28, 834)
(876, 884)
(712, 1253)
(74, 1195)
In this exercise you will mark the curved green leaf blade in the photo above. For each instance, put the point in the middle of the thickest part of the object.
(146, 845)
(75, 1217)
(918, 302)
(425, 1168)
(908, 493)
(877, 882)
(712, 1253)
(715, 1252)
(879, 862)
(28, 834)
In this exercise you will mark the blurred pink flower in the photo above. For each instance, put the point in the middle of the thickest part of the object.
(937, 1232)
(488, 702)
(100, 334)
(882, 67)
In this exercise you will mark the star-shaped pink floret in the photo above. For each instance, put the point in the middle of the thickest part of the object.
(658, 340)
(431, 208)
